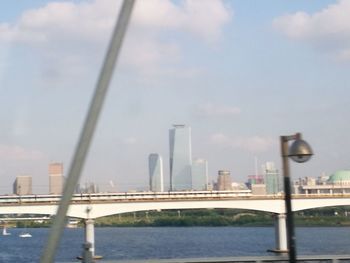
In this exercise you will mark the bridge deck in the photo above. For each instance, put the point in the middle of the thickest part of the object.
(105, 204)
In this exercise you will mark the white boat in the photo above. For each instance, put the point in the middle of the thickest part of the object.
(4, 232)
(72, 223)
(25, 234)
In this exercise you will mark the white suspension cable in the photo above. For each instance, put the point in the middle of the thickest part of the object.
(88, 130)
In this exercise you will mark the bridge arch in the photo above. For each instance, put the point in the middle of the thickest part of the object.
(101, 210)
(311, 203)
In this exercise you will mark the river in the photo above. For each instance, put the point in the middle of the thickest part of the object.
(173, 242)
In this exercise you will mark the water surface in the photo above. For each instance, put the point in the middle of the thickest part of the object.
(173, 242)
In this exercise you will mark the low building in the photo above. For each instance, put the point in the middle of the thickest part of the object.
(23, 185)
(258, 189)
(338, 183)
(341, 177)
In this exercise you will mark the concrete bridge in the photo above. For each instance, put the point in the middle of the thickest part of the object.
(92, 206)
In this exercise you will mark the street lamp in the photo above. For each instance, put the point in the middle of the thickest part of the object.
(300, 152)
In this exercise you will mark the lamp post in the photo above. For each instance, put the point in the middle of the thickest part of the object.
(300, 152)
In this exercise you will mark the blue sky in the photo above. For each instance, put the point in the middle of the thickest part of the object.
(240, 73)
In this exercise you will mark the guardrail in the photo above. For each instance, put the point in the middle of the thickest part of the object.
(257, 259)
(139, 196)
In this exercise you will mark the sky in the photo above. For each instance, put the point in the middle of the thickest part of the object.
(239, 73)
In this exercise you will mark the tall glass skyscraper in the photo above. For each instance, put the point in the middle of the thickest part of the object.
(200, 174)
(180, 158)
(271, 178)
(155, 164)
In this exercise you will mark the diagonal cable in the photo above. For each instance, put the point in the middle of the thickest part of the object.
(88, 130)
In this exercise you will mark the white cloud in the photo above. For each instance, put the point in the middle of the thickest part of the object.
(328, 29)
(62, 21)
(150, 56)
(204, 18)
(62, 29)
(252, 144)
(18, 153)
(211, 110)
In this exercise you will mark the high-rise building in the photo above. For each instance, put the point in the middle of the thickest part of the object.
(23, 185)
(271, 178)
(180, 158)
(200, 174)
(56, 178)
(224, 180)
(255, 179)
(155, 164)
(89, 188)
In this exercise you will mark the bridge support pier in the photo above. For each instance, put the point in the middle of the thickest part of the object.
(89, 242)
(90, 235)
(280, 234)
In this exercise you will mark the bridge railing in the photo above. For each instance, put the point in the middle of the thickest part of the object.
(257, 259)
(150, 196)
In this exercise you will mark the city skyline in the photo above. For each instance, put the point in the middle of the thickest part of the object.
(268, 182)
(238, 76)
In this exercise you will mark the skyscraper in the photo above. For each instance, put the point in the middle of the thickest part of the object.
(155, 164)
(89, 188)
(224, 180)
(56, 179)
(23, 185)
(271, 178)
(200, 174)
(180, 158)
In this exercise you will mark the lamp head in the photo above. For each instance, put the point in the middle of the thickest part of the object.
(300, 151)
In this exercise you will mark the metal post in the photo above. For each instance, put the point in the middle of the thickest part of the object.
(287, 198)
